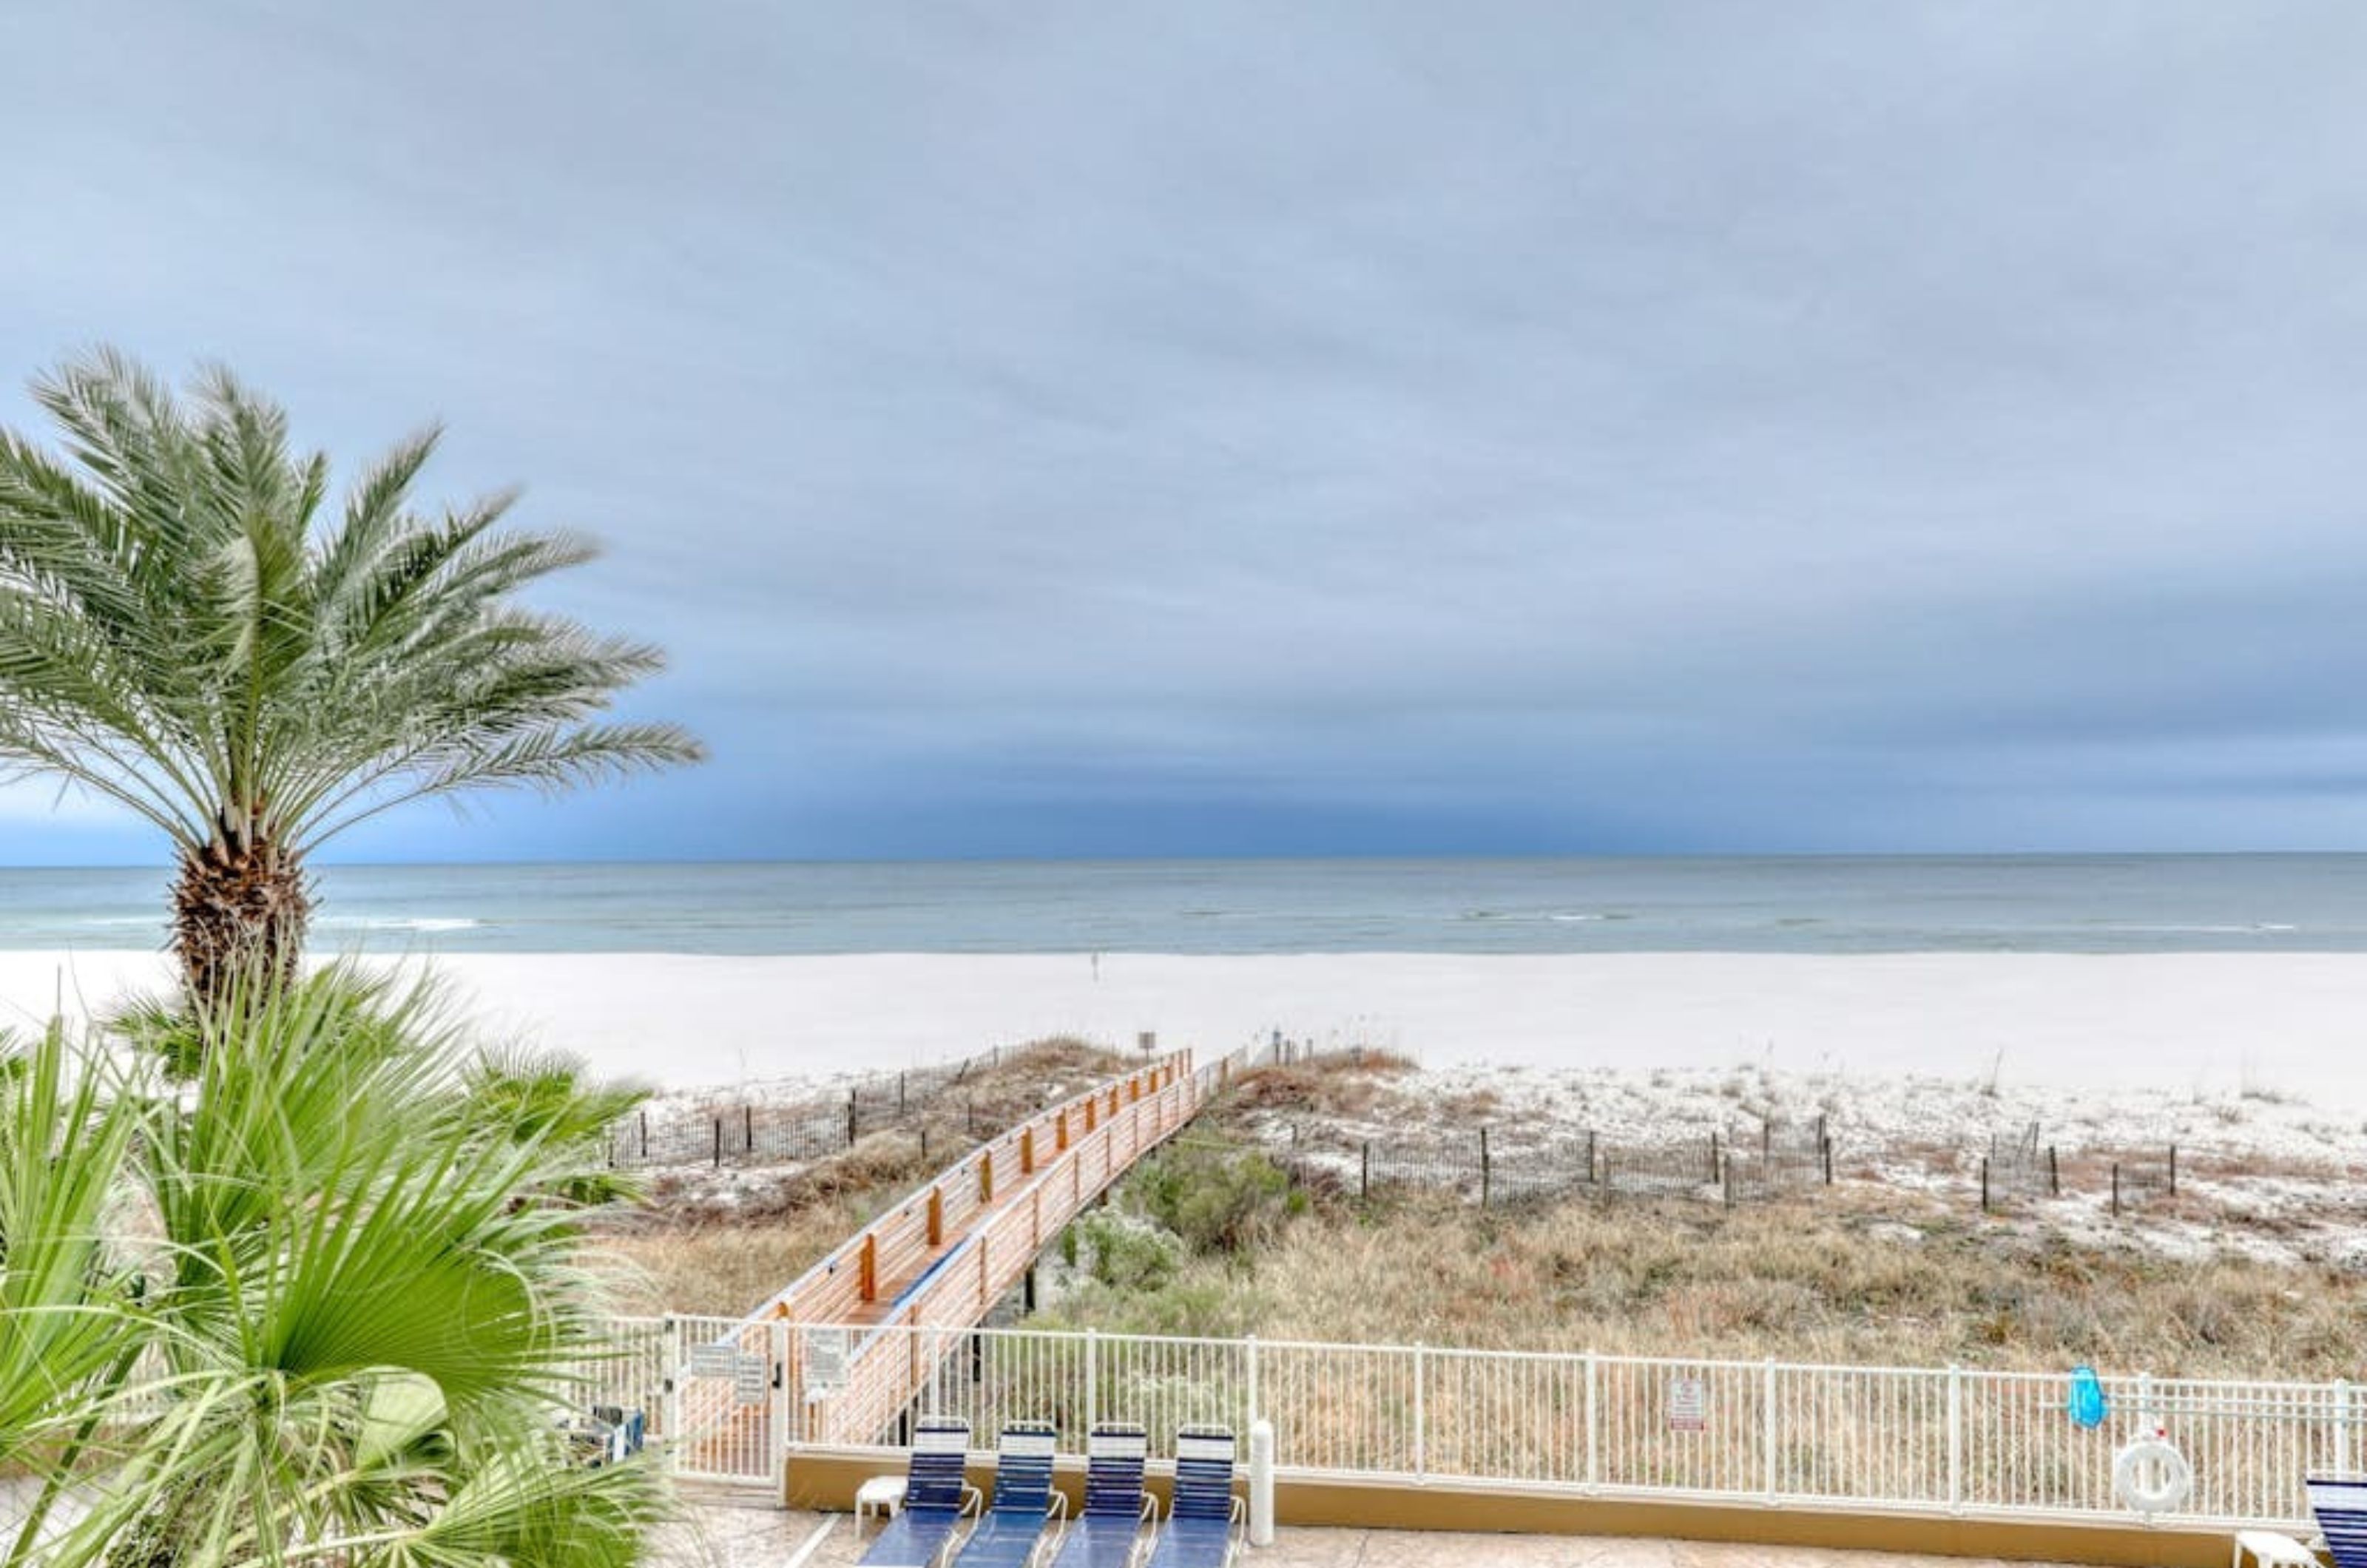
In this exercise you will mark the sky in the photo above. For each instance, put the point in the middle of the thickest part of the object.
(1352, 427)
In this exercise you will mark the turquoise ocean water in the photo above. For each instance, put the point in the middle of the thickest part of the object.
(2063, 903)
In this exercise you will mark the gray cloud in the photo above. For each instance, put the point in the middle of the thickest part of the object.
(1104, 427)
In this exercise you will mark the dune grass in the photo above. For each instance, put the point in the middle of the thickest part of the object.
(1856, 1275)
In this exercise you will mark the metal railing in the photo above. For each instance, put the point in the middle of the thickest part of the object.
(1928, 1440)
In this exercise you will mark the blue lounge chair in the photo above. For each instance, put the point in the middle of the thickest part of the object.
(1204, 1517)
(2341, 1510)
(936, 1499)
(1013, 1528)
(1107, 1534)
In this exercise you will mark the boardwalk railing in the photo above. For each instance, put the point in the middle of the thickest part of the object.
(857, 1381)
(1927, 1440)
(941, 1258)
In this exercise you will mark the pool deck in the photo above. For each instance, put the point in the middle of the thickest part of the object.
(723, 1535)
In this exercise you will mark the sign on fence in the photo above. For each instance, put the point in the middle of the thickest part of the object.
(751, 1378)
(825, 1371)
(1688, 1404)
(713, 1360)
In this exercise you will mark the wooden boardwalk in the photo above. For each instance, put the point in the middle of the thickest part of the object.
(941, 1258)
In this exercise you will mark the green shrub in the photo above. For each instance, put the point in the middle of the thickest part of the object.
(1217, 1200)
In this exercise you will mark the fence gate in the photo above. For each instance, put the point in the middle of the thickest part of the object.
(726, 1395)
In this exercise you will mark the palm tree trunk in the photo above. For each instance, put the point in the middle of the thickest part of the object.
(238, 918)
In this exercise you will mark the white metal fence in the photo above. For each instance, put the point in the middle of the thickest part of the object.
(1936, 1441)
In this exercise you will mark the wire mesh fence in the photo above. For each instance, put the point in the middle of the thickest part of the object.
(789, 1131)
(1490, 1165)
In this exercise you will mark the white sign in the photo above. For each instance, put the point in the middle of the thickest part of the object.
(751, 1379)
(1688, 1404)
(825, 1360)
(713, 1361)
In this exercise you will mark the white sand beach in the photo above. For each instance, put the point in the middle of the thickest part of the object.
(2288, 1024)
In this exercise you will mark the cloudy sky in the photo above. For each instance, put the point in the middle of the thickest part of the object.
(1082, 427)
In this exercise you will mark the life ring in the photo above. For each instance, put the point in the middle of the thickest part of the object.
(2151, 1476)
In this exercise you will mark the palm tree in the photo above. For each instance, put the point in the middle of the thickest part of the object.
(323, 1307)
(186, 632)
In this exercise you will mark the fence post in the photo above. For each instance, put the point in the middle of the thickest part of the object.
(1590, 1177)
(1255, 1410)
(1726, 1180)
(1713, 1156)
(1767, 1398)
(1487, 1172)
(670, 1409)
(2173, 1170)
(2054, 1174)
(1364, 1179)
(1985, 1184)
(851, 1114)
(1955, 1437)
(1093, 1376)
(2116, 1188)
(785, 1403)
(718, 1140)
(900, 1097)
(2338, 1460)
(1825, 1151)
(1593, 1424)
(1421, 1423)
(645, 1135)
(748, 1128)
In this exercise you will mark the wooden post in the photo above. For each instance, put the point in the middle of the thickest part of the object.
(2116, 1188)
(1825, 1153)
(1092, 1114)
(645, 1135)
(1027, 1293)
(1061, 1134)
(718, 1140)
(1590, 1167)
(900, 1095)
(869, 1282)
(1364, 1181)
(1487, 1172)
(937, 1216)
(1985, 1184)
(1028, 1151)
(851, 1114)
(1714, 1165)
(748, 1127)
(2173, 1170)
(1730, 1182)
(2054, 1174)
(986, 1175)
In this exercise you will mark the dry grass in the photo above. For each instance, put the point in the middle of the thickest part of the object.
(1335, 1084)
(1885, 1282)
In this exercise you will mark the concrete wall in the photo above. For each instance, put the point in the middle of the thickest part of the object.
(828, 1480)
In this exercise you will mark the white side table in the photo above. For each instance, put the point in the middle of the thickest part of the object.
(883, 1495)
(2271, 1550)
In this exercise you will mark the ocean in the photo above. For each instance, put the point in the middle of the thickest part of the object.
(1818, 905)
